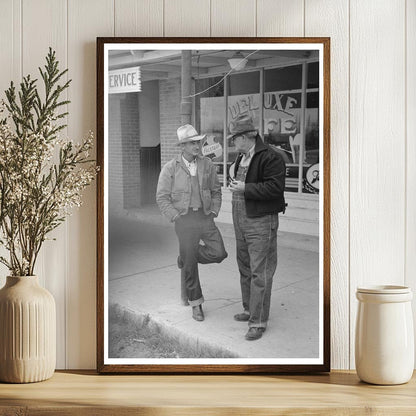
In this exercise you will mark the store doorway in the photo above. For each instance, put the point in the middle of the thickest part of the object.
(150, 169)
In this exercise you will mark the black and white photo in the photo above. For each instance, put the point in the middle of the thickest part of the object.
(213, 213)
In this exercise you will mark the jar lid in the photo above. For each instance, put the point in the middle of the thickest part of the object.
(384, 289)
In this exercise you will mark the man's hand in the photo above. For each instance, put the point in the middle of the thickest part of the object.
(237, 186)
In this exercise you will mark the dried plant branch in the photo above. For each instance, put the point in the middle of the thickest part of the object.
(36, 193)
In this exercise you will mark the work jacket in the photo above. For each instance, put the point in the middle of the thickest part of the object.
(265, 181)
(173, 194)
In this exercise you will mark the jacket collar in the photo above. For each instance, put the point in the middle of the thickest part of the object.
(259, 146)
(179, 158)
(199, 166)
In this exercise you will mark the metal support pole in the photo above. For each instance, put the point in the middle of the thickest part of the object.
(225, 134)
(186, 116)
(261, 104)
(302, 125)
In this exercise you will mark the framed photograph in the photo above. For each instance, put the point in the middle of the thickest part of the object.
(213, 239)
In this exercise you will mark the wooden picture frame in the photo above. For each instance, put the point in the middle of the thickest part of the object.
(287, 77)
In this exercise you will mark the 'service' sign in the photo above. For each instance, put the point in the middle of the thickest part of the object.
(124, 80)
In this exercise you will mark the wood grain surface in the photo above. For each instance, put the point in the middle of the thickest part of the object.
(377, 224)
(330, 17)
(280, 18)
(410, 260)
(339, 393)
(187, 18)
(233, 18)
(138, 18)
(51, 265)
(85, 19)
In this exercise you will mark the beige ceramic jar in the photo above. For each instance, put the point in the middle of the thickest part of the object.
(384, 341)
(27, 331)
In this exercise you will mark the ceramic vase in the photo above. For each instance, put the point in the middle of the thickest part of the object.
(27, 331)
(384, 340)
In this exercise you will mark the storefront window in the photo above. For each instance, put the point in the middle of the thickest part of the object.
(283, 114)
(311, 160)
(209, 112)
(243, 98)
(312, 128)
(313, 75)
(282, 117)
(283, 79)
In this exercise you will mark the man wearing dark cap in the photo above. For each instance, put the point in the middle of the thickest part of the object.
(189, 194)
(257, 184)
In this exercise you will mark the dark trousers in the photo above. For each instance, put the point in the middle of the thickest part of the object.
(256, 240)
(190, 229)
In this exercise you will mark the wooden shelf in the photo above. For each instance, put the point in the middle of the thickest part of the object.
(86, 393)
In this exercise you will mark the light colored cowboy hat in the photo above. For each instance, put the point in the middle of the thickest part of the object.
(242, 124)
(187, 133)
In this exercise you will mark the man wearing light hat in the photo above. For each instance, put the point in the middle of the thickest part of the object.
(189, 194)
(258, 183)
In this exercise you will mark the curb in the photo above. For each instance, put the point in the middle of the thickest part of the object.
(199, 348)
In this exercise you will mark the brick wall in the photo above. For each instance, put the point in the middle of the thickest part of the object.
(124, 151)
(115, 157)
(124, 141)
(129, 108)
(170, 117)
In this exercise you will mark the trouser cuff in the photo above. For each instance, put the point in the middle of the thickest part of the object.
(257, 325)
(196, 302)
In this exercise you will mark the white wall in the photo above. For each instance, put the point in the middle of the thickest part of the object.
(373, 128)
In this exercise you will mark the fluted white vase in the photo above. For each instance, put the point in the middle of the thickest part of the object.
(27, 331)
(384, 340)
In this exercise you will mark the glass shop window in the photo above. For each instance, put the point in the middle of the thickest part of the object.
(311, 155)
(209, 117)
(283, 79)
(283, 115)
(243, 98)
(313, 75)
(282, 103)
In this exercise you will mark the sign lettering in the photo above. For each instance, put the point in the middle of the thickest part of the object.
(124, 80)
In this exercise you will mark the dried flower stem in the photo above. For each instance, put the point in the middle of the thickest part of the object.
(37, 194)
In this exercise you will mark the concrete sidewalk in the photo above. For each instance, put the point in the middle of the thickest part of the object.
(145, 280)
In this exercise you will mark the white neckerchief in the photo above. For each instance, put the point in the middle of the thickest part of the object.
(246, 159)
(190, 165)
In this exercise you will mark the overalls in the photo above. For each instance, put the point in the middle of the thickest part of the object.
(256, 239)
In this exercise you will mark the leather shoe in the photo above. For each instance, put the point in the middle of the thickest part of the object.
(254, 333)
(242, 317)
(197, 313)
